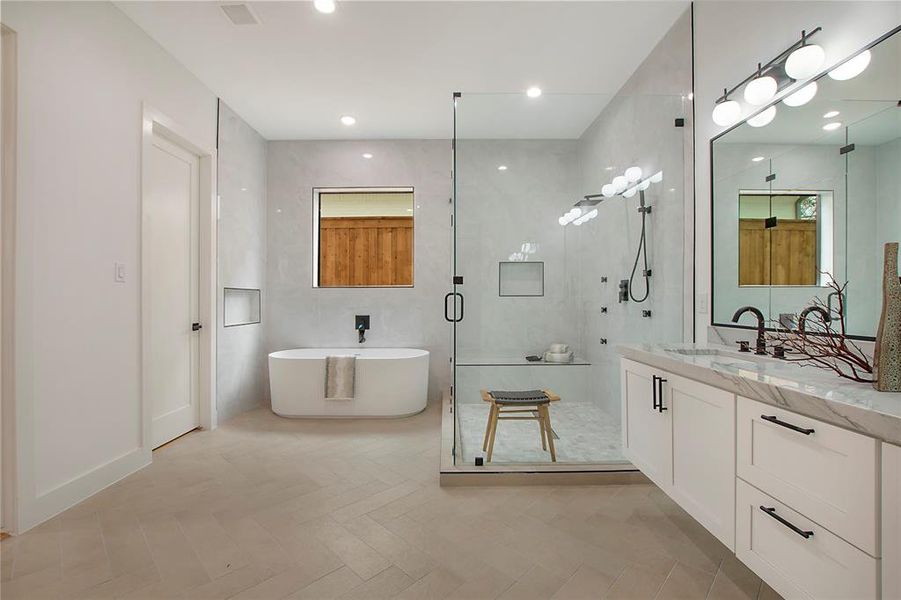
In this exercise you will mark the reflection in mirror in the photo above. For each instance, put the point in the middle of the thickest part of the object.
(813, 194)
(780, 237)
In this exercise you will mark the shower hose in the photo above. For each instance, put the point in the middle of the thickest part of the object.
(642, 252)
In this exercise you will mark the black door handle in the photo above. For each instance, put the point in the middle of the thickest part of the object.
(772, 512)
(654, 379)
(774, 419)
(660, 382)
(196, 326)
(462, 303)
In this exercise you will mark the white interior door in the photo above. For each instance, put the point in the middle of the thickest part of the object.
(171, 210)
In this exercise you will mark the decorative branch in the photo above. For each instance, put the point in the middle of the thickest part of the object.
(816, 342)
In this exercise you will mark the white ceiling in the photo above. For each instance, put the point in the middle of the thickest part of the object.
(394, 65)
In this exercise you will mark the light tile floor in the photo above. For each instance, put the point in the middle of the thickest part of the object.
(266, 507)
(585, 434)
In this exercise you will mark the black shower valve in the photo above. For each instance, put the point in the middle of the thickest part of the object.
(603, 310)
(646, 313)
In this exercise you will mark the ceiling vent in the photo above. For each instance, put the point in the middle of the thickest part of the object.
(239, 14)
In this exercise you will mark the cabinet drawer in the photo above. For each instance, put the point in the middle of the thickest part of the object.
(825, 472)
(821, 565)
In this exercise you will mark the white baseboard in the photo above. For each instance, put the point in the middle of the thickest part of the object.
(34, 511)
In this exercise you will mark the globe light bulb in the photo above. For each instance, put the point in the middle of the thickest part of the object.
(726, 113)
(802, 96)
(761, 90)
(805, 61)
(763, 118)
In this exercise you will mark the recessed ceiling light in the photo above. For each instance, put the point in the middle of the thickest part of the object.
(533, 92)
(757, 159)
(832, 126)
(831, 114)
(348, 120)
(243, 189)
(608, 168)
(367, 155)
(324, 6)
(502, 168)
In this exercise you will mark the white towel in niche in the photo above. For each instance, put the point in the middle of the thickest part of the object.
(339, 377)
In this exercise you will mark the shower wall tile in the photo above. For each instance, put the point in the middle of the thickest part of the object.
(498, 214)
(637, 128)
(302, 316)
(241, 367)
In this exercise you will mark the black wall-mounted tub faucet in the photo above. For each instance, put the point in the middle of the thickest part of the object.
(361, 324)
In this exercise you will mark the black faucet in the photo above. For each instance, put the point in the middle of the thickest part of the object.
(761, 340)
(802, 318)
(361, 324)
(362, 331)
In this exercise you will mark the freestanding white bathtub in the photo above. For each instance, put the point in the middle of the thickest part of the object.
(389, 382)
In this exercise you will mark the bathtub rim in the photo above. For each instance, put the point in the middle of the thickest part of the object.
(408, 353)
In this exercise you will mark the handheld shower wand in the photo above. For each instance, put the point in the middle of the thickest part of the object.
(641, 253)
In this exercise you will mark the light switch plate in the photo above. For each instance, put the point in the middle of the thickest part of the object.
(120, 272)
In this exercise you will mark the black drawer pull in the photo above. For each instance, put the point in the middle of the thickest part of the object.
(660, 382)
(654, 390)
(772, 512)
(773, 419)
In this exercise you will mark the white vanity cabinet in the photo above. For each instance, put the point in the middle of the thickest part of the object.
(647, 429)
(813, 508)
(681, 434)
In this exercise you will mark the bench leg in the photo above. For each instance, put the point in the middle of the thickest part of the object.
(549, 432)
(493, 434)
(491, 408)
(542, 430)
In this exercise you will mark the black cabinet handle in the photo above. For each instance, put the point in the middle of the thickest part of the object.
(654, 390)
(660, 382)
(773, 419)
(772, 512)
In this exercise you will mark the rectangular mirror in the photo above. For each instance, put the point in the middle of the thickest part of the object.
(363, 237)
(812, 195)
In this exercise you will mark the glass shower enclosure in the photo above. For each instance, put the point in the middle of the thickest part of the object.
(540, 257)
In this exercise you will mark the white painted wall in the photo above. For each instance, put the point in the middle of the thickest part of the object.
(302, 316)
(241, 365)
(730, 39)
(84, 71)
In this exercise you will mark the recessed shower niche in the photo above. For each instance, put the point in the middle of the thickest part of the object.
(240, 306)
(518, 279)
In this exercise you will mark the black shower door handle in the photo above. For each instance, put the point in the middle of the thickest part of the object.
(446, 315)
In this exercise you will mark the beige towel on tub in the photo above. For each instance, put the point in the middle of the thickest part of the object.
(339, 377)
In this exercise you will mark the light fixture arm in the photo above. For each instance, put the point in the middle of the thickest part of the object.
(761, 68)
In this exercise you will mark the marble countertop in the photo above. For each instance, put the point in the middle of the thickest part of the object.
(803, 389)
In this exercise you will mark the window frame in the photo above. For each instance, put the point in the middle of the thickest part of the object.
(314, 259)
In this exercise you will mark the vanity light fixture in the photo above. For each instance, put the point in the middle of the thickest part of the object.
(348, 120)
(757, 159)
(367, 155)
(764, 83)
(831, 114)
(608, 190)
(620, 183)
(502, 167)
(761, 89)
(832, 126)
(852, 67)
(802, 96)
(763, 118)
(533, 92)
(324, 6)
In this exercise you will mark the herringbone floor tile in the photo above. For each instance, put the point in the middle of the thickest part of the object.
(271, 508)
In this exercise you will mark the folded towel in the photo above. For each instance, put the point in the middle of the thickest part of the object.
(339, 377)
